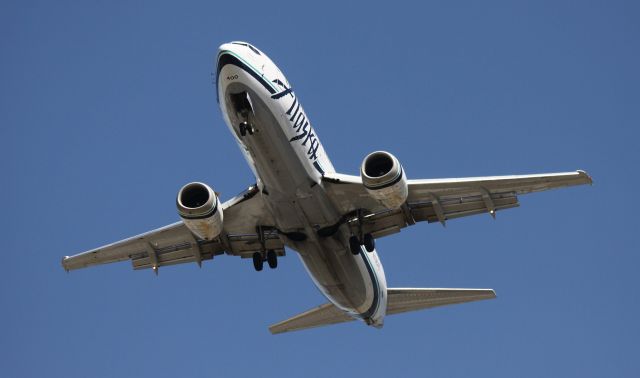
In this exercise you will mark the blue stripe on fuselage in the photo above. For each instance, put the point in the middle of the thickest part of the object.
(226, 57)
(376, 287)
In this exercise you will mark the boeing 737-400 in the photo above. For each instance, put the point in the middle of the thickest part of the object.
(299, 201)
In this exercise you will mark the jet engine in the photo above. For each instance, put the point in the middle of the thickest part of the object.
(384, 179)
(199, 208)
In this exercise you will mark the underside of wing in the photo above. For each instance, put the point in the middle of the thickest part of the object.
(172, 244)
(245, 231)
(440, 200)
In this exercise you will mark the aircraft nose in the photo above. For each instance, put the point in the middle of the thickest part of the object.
(225, 47)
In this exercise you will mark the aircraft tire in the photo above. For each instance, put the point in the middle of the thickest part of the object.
(369, 243)
(354, 245)
(272, 259)
(258, 262)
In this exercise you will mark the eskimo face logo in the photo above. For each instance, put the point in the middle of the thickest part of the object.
(299, 122)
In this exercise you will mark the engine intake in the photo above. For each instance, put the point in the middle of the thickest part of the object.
(199, 208)
(384, 179)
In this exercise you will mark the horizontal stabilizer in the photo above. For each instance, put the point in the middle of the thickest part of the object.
(404, 300)
(316, 317)
(398, 301)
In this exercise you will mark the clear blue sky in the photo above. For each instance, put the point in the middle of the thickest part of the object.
(107, 108)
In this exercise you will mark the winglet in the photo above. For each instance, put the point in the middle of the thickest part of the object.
(64, 266)
(585, 175)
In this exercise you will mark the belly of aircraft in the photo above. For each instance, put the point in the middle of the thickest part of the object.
(340, 276)
(299, 204)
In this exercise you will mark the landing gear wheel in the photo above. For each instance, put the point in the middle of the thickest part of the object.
(258, 262)
(243, 128)
(272, 259)
(250, 129)
(369, 243)
(354, 245)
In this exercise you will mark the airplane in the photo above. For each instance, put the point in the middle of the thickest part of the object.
(300, 202)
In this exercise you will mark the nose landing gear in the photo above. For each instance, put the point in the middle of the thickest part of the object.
(245, 127)
(241, 103)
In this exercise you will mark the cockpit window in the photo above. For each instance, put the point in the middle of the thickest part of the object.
(253, 49)
(256, 51)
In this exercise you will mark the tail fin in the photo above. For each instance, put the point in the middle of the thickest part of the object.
(398, 301)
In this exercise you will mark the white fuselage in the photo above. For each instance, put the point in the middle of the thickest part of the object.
(289, 161)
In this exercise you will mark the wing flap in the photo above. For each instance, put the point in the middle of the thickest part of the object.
(460, 207)
(391, 221)
(184, 253)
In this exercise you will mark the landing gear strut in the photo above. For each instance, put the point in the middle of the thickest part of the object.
(268, 255)
(361, 239)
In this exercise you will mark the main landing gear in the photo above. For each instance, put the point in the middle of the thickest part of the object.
(368, 242)
(270, 257)
(362, 239)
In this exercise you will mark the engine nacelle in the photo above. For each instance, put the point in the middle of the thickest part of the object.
(199, 208)
(384, 179)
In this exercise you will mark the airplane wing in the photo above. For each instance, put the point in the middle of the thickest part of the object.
(439, 200)
(399, 300)
(175, 244)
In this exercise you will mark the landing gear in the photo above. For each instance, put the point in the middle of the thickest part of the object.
(268, 255)
(354, 245)
(245, 128)
(241, 103)
(368, 242)
(272, 259)
(360, 239)
(258, 261)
